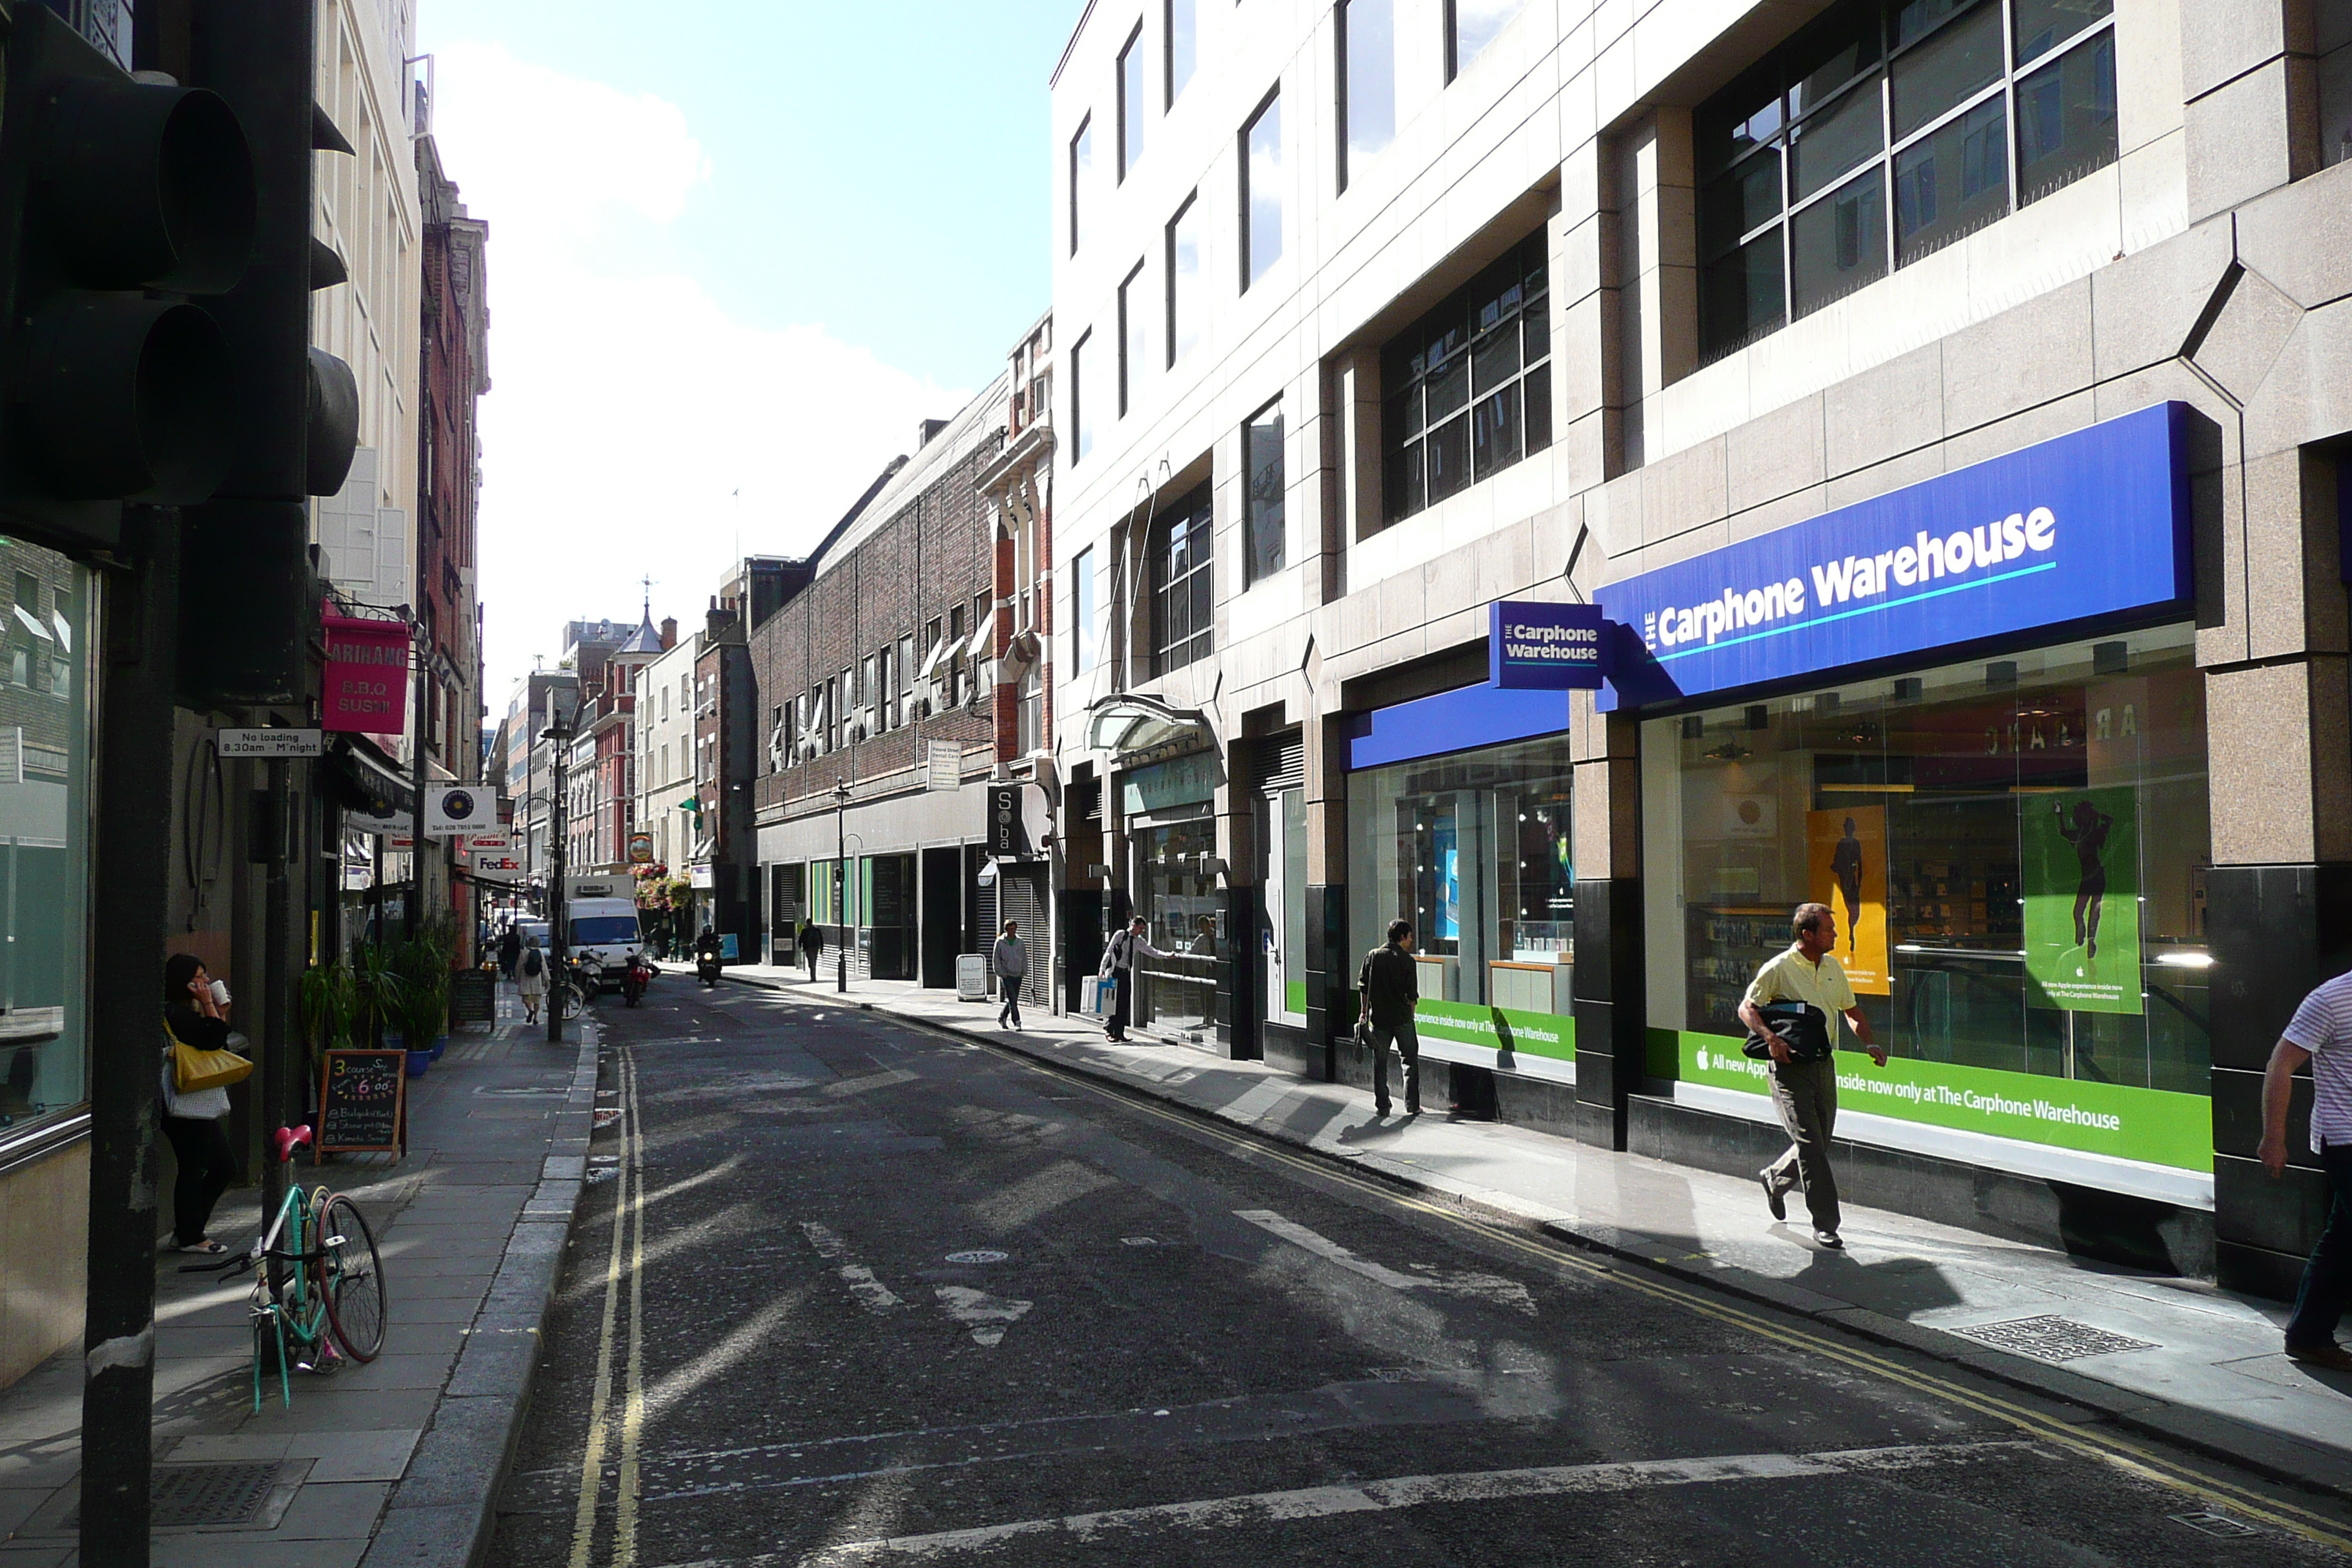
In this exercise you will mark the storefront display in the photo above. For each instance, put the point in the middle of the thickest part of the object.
(1178, 897)
(1473, 848)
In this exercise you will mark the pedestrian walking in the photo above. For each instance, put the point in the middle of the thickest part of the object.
(1803, 1069)
(811, 946)
(509, 952)
(1118, 968)
(2320, 1033)
(531, 978)
(193, 1122)
(1390, 987)
(1010, 959)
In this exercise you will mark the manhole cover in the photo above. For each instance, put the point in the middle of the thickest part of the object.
(186, 1495)
(2220, 1524)
(1138, 1241)
(2051, 1338)
(980, 1254)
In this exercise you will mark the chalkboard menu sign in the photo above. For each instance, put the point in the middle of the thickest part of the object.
(362, 1102)
(473, 997)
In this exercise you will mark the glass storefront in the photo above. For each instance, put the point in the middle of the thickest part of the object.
(45, 848)
(1176, 895)
(1281, 883)
(1474, 850)
(2014, 849)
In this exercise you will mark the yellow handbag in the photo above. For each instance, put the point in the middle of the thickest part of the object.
(192, 1069)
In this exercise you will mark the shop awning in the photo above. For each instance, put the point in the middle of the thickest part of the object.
(363, 779)
(1129, 723)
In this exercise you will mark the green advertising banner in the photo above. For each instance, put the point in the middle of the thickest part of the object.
(2153, 1126)
(2081, 900)
(1497, 1028)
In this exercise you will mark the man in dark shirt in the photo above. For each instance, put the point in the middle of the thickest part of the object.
(1389, 985)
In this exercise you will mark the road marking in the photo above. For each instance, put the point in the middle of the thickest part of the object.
(870, 1292)
(633, 1420)
(592, 1459)
(987, 1316)
(1119, 1527)
(737, 1344)
(1491, 1287)
(2122, 1453)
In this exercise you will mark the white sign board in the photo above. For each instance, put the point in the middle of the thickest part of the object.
(971, 977)
(459, 810)
(497, 863)
(272, 742)
(483, 843)
(946, 771)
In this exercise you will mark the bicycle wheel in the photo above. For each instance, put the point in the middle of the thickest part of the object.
(571, 1001)
(350, 1278)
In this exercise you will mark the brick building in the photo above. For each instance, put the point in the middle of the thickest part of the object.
(870, 682)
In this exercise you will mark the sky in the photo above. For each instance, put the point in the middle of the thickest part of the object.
(735, 256)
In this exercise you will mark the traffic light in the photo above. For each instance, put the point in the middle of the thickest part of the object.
(119, 201)
(249, 598)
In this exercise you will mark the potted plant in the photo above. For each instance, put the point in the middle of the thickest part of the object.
(330, 1003)
(423, 1007)
(375, 993)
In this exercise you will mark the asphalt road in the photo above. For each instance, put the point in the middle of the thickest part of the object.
(854, 1293)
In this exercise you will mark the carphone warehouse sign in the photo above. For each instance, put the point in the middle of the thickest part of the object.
(2090, 525)
(1537, 647)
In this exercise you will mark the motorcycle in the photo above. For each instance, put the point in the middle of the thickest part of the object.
(633, 979)
(706, 969)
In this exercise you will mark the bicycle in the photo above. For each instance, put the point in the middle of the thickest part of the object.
(582, 979)
(318, 1279)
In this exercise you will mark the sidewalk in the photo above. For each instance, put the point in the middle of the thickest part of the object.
(2198, 1365)
(392, 1463)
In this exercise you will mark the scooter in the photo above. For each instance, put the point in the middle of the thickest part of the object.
(706, 970)
(633, 979)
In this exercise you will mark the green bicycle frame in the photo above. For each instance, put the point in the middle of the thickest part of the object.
(285, 1298)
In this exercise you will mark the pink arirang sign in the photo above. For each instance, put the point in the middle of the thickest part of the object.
(367, 675)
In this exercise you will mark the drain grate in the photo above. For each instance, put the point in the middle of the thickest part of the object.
(2209, 1523)
(182, 1496)
(2051, 1338)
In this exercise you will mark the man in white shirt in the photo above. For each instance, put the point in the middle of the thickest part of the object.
(2320, 1034)
(1119, 967)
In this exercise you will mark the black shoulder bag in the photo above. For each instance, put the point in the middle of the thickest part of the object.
(1802, 1024)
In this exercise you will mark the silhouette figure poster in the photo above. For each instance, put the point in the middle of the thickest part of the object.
(2081, 849)
(1846, 866)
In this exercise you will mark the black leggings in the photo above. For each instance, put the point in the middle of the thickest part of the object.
(207, 1168)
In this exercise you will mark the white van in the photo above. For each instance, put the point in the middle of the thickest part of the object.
(604, 930)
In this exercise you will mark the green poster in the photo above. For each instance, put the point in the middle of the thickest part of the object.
(1498, 1028)
(2081, 849)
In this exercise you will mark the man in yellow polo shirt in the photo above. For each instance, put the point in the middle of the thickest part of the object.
(1805, 1093)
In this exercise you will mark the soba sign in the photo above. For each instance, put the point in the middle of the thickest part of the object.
(367, 675)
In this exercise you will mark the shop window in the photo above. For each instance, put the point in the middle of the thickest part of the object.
(1181, 902)
(1468, 385)
(2014, 852)
(1262, 547)
(1367, 81)
(1183, 602)
(1282, 882)
(1927, 99)
(1474, 850)
(45, 850)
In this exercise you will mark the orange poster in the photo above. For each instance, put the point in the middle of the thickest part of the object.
(1845, 868)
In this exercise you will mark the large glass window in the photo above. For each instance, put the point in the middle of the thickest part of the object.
(1795, 159)
(1468, 385)
(1470, 26)
(1183, 44)
(1183, 602)
(2014, 849)
(1130, 103)
(1261, 192)
(1180, 901)
(44, 781)
(1082, 168)
(1282, 882)
(1185, 303)
(1474, 850)
(1262, 552)
(1367, 78)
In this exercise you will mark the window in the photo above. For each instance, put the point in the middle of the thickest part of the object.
(1880, 134)
(1130, 103)
(1082, 429)
(1134, 340)
(1470, 26)
(1367, 78)
(1468, 385)
(1184, 301)
(1082, 168)
(1262, 551)
(1261, 216)
(902, 686)
(956, 635)
(1182, 39)
(2333, 23)
(1084, 637)
(1183, 602)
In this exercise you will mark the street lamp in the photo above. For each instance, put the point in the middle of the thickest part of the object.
(560, 714)
(840, 883)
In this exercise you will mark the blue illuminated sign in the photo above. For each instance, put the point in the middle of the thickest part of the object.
(2092, 524)
(1534, 647)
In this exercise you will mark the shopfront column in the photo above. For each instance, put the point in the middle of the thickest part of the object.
(1328, 1015)
(1610, 1016)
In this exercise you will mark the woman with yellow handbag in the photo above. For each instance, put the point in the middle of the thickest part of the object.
(198, 1068)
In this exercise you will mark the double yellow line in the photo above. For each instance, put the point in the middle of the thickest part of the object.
(625, 1266)
(2121, 1453)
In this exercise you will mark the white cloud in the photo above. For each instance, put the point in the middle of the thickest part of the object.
(626, 406)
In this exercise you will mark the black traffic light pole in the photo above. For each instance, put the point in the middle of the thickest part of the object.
(558, 828)
(129, 919)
